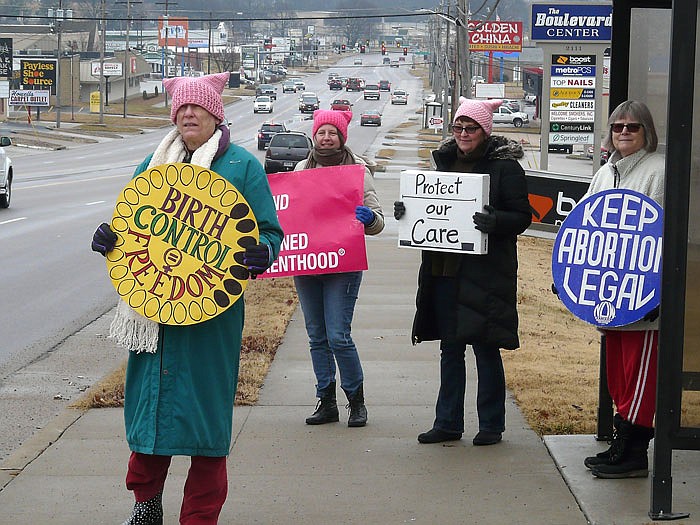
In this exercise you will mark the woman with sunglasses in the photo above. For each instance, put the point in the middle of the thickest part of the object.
(630, 351)
(466, 299)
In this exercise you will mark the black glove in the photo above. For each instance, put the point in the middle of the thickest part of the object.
(257, 259)
(554, 289)
(652, 316)
(399, 210)
(104, 239)
(486, 222)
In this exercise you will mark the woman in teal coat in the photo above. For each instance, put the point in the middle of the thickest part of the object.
(180, 391)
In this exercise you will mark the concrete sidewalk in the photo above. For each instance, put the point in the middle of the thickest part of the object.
(282, 471)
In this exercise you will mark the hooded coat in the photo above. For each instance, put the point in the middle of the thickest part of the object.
(486, 305)
(179, 400)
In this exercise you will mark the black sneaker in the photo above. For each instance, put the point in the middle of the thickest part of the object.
(438, 436)
(484, 437)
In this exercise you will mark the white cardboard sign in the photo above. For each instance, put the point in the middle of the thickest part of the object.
(439, 209)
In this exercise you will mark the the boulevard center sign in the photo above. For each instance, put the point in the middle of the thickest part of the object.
(182, 231)
(606, 262)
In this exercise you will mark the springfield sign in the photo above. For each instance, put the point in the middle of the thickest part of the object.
(571, 22)
(606, 262)
(439, 210)
(181, 234)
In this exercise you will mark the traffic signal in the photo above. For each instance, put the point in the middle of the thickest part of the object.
(405, 51)
(383, 50)
(343, 48)
(362, 49)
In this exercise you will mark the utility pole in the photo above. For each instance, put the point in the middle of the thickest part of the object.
(465, 87)
(445, 93)
(102, 65)
(209, 48)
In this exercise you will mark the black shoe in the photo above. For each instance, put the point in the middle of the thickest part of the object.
(636, 466)
(147, 512)
(357, 410)
(484, 437)
(326, 408)
(438, 436)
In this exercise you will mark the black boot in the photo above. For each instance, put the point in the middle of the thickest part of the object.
(356, 407)
(147, 512)
(602, 458)
(633, 462)
(326, 409)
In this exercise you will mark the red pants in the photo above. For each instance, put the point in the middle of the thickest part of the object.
(205, 489)
(631, 366)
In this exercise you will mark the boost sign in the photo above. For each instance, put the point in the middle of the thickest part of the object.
(182, 231)
(606, 262)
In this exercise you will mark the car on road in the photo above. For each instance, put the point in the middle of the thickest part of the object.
(335, 84)
(6, 173)
(371, 117)
(266, 89)
(357, 62)
(386, 61)
(384, 85)
(399, 96)
(299, 83)
(267, 131)
(511, 104)
(309, 102)
(503, 115)
(371, 92)
(395, 63)
(289, 87)
(341, 104)
(262, 104)
(285, 150)
(353, 84)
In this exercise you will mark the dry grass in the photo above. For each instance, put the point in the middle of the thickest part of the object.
(270, 304)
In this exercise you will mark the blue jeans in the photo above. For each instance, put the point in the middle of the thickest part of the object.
(491, 381)
(328, 302)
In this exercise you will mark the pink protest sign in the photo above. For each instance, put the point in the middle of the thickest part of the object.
(316, 208)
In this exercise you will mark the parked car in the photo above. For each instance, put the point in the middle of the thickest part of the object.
(371, 92)
(560, 148)
(384, 85)
(335, 84)
(267, 131)
(341, 104)
(261, 104)
(371, 116)
(309, 102)
(266, 89)
(529, 98)
(6, 174)
(511, 104)
(503, 115)
(285, 150)
(399, 96)
(603, 154)
(289, 87)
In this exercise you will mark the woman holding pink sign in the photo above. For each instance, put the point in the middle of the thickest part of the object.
(328, 300)
(630, 350)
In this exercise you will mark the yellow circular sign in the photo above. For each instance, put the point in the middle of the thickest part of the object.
(182, 231)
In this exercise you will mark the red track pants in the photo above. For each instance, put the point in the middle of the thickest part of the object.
(205, 489)
(631, 366)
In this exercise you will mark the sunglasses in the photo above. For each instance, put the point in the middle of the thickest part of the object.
(632, 127)
(469, 129)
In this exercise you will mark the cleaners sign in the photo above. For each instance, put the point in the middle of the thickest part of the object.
(606, 262)
(439, 210)
(181, 234)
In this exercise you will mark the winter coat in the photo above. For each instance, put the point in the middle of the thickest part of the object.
(642, 172)
(486, 312)
(179, 401)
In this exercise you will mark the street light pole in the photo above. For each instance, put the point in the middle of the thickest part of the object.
(58, 17)
(126, 52)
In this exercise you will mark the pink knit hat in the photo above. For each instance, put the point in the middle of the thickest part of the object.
(339, 119)
(480, 111)
(203, 91)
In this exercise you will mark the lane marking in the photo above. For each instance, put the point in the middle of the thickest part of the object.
(94, 202)
(8, 221)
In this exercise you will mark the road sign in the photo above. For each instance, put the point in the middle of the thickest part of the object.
(111, 69)
(435, 122)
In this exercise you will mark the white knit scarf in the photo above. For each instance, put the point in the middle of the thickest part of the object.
(129, 328)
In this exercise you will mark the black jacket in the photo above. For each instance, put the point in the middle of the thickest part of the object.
(486, 304)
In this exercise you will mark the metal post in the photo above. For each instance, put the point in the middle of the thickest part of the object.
(102, 65)
(126, 53)
(209, 48)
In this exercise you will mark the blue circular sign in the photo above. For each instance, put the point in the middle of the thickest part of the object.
(606, 262)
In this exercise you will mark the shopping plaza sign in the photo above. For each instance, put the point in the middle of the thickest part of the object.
(571, 22)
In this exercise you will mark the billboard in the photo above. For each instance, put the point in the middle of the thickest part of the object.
(174, 30)
(5, 58)
(38, 73)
